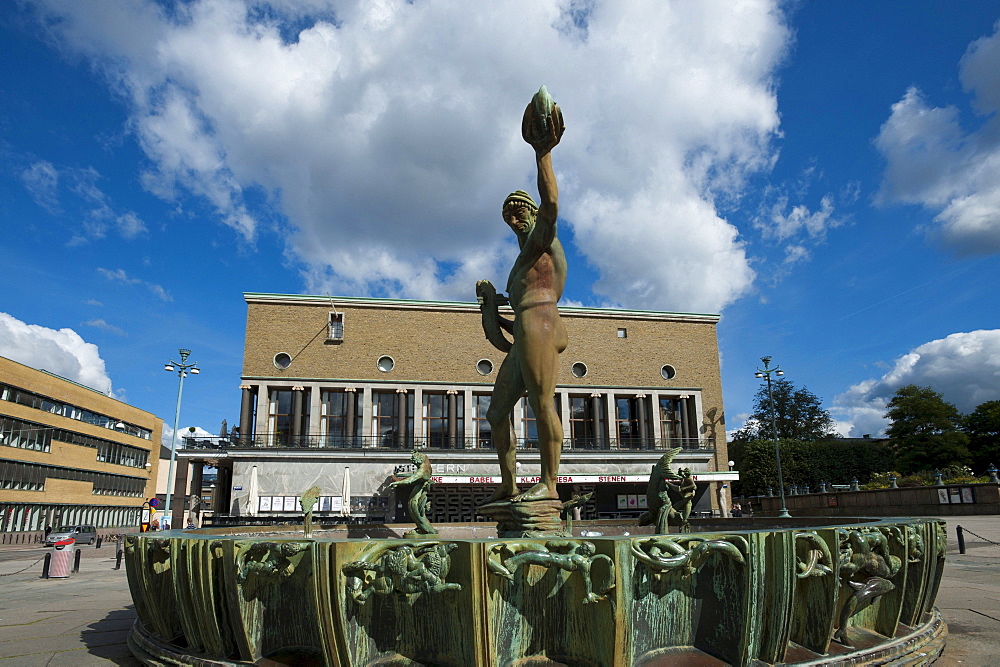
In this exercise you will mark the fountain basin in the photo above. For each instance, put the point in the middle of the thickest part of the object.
(808, 591)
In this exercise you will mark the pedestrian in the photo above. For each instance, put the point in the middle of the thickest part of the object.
(48, 529)
(737, 511)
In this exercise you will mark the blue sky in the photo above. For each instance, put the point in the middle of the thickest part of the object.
(826, 176)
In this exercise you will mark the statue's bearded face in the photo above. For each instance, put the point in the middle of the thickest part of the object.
(520, 217)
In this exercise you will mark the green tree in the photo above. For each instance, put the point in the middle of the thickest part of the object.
(925, 430)
(809, 463)
(798, 415)
(982, 426)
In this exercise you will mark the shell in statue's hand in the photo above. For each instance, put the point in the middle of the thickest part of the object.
(542, 125)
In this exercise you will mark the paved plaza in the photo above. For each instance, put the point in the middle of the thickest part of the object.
(83, 620)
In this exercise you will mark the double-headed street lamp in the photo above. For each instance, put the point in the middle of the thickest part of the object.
(766, 373)
(182, 369)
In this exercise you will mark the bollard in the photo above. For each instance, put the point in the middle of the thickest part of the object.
(118, 558)
(99, 540)
(45, 566)
(961, 539)
(76, 560)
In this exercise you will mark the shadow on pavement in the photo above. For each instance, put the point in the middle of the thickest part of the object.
(106, 638)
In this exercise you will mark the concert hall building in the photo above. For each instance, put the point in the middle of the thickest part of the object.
(337, 392)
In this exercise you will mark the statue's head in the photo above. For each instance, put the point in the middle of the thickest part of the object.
(684, 472)
(417, 457)
(586, 548)
(519, 212)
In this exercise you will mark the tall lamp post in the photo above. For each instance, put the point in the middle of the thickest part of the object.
(766, 373)
(182, 369)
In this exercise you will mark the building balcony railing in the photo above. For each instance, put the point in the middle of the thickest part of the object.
(391, 441)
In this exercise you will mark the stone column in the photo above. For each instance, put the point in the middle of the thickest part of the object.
(351, 398)
(296, 416)
(595, 415)
(402, 426)
(261, 435)
(452, 419)
(640, 403)
(197, 470)
(366, 415)
(180, 494)
(246, 414)
(563, 398)
(657, 430)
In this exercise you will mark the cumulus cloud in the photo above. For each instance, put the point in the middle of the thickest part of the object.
(964, 368)
(120, 276)
(386, 132)
(167, 437)
(62, 352)
(931, 160)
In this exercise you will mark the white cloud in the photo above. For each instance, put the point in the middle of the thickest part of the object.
(167, 436)
(964, 368)
(98, 323)
(386, 132)
(62, 352)
(42, 181)
(932, 161)
(120, 276)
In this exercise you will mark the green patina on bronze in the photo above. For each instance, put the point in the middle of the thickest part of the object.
(851, 591)
(421, 480)
(837, 590)
(534, 287)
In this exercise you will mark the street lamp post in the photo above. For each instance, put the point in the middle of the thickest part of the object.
(766, 374)
(183, 368)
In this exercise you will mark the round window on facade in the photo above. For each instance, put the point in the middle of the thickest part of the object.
(386, 363)
(579, 369)
(668, 372)
(484, 366)
(282, 360)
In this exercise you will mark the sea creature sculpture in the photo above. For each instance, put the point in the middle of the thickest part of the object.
(563, 555)
(406, 569)
(662, 554)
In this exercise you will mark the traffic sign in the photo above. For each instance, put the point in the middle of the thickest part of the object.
(154, 502)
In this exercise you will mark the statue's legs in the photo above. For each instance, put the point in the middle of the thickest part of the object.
(507, 390)
(541, 337)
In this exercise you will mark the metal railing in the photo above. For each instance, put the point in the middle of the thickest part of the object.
(391, 441)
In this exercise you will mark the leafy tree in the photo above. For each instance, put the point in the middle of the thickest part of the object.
(925, 430)
(982, 426)
(798, 415)
(809, 463)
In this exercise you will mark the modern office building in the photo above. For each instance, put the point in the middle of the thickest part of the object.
(336, 392)
(70, 454)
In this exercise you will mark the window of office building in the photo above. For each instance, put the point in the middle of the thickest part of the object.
(583, 423)
(280, 416)
(340, 419)
(392, 419)
(481, 428)
(627, 423)
(673, 420)
(439, 432)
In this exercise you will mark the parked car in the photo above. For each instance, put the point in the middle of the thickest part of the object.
(81, 534)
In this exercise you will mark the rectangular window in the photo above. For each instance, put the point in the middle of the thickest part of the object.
(481, 429)
(436, 414)
(582, 422)
(672, 421)
(627, 422)
(335, 327)
(335, 427)
(622, 332)
(280, 417)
